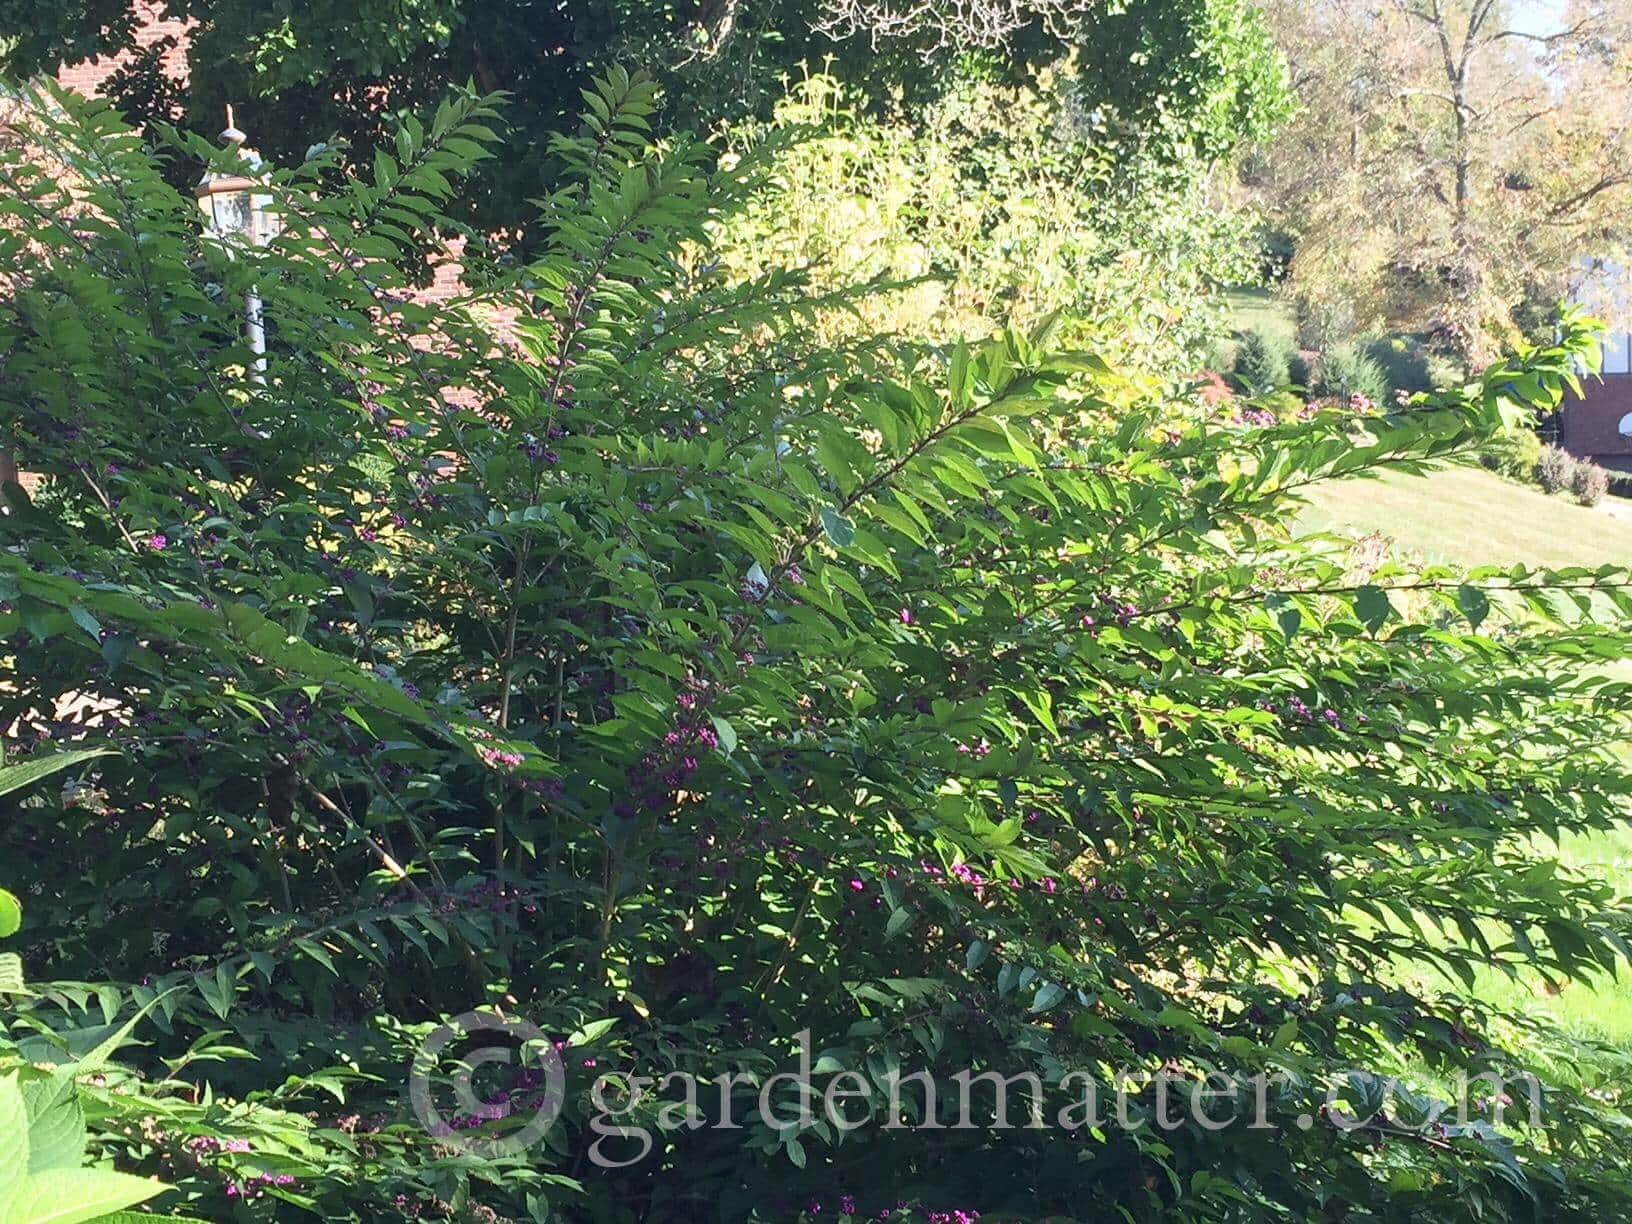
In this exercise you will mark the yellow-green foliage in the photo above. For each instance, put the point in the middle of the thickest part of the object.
(996, 203)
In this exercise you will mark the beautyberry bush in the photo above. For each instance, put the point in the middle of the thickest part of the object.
(604, 653)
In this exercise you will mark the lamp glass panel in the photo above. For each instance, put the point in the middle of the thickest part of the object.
(267, 222)
(232, 212)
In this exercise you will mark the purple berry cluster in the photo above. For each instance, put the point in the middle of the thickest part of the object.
(1295, 711)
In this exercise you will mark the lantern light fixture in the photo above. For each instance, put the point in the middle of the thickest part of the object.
(238, 213)
(237, 207)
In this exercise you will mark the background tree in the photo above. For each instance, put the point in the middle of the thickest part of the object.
(1449, 164)
(1195, 74)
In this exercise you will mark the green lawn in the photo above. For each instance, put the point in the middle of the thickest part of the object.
(1259, 310)
(1468, 516)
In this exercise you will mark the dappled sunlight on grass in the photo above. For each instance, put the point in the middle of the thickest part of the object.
(1466, 516)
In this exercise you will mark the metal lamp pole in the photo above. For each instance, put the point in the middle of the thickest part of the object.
(237, 210)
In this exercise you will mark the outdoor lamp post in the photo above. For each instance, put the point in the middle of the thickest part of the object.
(238, 212)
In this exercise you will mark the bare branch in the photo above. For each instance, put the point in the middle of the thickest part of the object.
(1548, 40)
(947, 25)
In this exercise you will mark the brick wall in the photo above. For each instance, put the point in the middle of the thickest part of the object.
(153, 27)
(1589, 428)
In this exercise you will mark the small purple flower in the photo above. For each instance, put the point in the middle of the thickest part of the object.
(157, 542)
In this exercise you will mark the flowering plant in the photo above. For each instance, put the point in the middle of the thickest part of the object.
(602, 650)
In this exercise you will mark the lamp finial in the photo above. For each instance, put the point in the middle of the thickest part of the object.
(230, 134)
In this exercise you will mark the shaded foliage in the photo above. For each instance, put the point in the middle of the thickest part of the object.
(1207, 75)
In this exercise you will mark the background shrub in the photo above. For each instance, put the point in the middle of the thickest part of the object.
(1404, 362)
(1346, 370)
(996, 204)
(1514, 454)
(1324, 322)
(1299, 370)
(1589, 483)
(1263, 361)
(1555, 469)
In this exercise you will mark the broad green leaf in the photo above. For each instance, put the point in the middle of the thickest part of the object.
(71, 1196)
(1048, 995)
(839, 530)
(1475, 604)
(15, 777)
(14, 1128)
(1372, 607)
(727, 734)
(56, 1123)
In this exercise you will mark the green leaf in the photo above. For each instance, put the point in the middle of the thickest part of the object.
(1048, 994)
(16, 777)
(14, 1126)
(86, 621)
(1284, 1034)
(1475, 604)
(11, 914)
(727, 734)
(71, 1196)
(1289, 619)
(840, 531)
(1372, 607)
(318, 953)
(56, 1123)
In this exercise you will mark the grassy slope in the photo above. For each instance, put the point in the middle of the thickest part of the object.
(1467, 517)
(1258, 310)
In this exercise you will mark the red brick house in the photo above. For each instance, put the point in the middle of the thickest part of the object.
(1598, 425)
